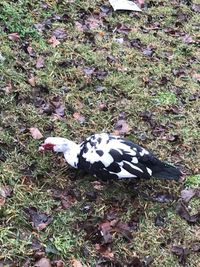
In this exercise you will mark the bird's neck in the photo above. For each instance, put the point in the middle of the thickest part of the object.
(71, 155)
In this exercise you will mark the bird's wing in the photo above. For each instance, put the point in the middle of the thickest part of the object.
(116, 157)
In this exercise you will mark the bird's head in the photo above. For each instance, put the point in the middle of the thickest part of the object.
(56, 144)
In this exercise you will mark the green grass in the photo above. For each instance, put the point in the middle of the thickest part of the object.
(134, 83)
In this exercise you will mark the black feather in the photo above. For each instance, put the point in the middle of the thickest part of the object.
(166, 171)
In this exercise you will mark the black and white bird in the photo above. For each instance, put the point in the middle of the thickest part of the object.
(111, 157)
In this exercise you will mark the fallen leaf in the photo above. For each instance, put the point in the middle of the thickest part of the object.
(35, 132)
(5, 191)
(31, 81)
(102, 106)
(181, 252)
(60, 111)
(159, 221)
(36, 245)
(56, 106)
(136, 43)
(196, 8)
(105, 229)
(77, 116)
(91, 196)
(180, 72)
(9, 87)
(93, 23)
(188, 39)
(164, 80)
(114, 226)
(124, 229)
(79, 26)
(97, 185)
(66, 197)
(119, 40)
(123, 28)
(30, 51)
(43, 262)
(53, 41)
(121, 127)
(59, 263)
(76, 263)
(40, 62)
(89, 71)
(148, 260)
(2, 201)
(39, 220)
(148, 52)
(163, 198)
(183, 212)
(105, 9)
(59, 33)
(195, 247)
(196, 76)
(124, 5)
(100, 89)
(14, 36)
(105, 251)
(101, 74)
(188, 194)
(40, 27)
(140, 3)
(135, 262)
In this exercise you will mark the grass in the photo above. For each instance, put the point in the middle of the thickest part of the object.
(134, 83)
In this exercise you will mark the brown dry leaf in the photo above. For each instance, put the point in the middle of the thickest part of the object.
(183, 212)
(2, 201)
(106, 229)
(97, 185)
(79, 26)
(122, 228)
(77, 116)
(39, 220)
(36, 134)
(9, 88)
(59, 33)
(196, 8)
(196, 76)
(31, 81)
(40, 62)
(121, 127)
(43, 262)
(105, 251)
(140, 3)
(188, 194)
(14, 36)
(5, 191)
(181, 252)
(59, 263)
(76, 263)
(188, 39)
(30, 51)
(67, 198)
(93, 23)
(53, 41)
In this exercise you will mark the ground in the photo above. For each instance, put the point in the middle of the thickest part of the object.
(72, 68)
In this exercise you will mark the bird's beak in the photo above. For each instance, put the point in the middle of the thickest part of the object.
(41, 148)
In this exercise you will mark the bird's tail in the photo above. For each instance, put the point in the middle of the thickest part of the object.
(166, 171)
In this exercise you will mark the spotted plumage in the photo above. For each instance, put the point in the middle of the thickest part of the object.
(111, 157)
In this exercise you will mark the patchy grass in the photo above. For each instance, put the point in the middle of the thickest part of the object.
(145, 63)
